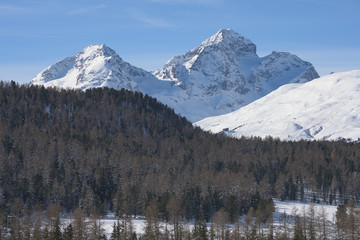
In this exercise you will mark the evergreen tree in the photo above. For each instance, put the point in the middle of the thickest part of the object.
(55, 232)
(199, 231)
(68, 232)
(115, 235)
(45, 233)
(212, 234)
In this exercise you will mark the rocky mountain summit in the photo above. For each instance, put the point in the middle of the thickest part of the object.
(224, 73)
(221, 75)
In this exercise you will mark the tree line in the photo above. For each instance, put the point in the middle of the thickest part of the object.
(306, 223)
(122, 151)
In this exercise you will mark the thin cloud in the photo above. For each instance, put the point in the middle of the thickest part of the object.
(86, 9)
(46, 8)
(12, 9)
(148, 20)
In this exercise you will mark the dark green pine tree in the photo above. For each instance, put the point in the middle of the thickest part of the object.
(199, 230)
(45, 233)
(134, 236)
(55, 233)
(212, 232)
(116, 233)
(113, 234)
(227, 234)
(68, 233)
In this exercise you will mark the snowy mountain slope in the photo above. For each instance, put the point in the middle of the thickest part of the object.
(225, 73)
(98, 66)
(221, 75)
(325, 108)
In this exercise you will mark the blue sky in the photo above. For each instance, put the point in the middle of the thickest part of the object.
(147, 33)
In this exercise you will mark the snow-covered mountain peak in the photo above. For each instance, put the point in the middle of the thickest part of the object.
(224, 73)
(93, 51)
(219, 53)
(94, 66)
(230, 40)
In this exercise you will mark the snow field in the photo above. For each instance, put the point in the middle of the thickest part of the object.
(327, 108)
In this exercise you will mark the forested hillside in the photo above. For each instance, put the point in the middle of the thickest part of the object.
(123, 151)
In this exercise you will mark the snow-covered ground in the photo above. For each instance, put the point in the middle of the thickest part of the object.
(292, 208)
(289, 207)
(326, 108)
(108, 223)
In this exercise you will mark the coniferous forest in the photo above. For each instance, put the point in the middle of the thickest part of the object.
(104, 150)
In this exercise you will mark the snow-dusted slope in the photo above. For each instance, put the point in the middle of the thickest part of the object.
(325, 108)
(221, 75)
(225, 73)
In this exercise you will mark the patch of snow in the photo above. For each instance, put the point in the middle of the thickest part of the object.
(293, 208)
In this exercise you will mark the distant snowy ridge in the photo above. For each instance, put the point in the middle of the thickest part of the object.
(327, 108)
(221, 75)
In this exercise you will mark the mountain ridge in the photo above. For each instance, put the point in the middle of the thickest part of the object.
(221, 75)
(225, 78)
(94, 66)
(326, 108)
